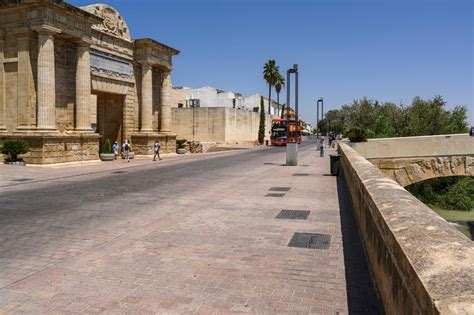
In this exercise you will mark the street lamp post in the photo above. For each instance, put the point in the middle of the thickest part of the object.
(320, 101)
(292, 147)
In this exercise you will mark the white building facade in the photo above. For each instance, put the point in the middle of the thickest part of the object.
(208, 96)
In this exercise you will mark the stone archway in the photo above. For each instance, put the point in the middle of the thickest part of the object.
(407, 171)
(110, 117)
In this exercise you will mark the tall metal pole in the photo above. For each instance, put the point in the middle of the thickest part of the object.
(287, 105)
(322, 112)
(297, 119)
(317, 118)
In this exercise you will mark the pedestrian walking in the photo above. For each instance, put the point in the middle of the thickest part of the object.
(115, 148)
(321, 147)
(156, 150)
(126, 150)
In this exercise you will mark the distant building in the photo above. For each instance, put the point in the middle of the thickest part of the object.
(208, 96)
(253, 101)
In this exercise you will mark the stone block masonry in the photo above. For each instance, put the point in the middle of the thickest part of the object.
(218, 124)
(55, 56)
(420, 263)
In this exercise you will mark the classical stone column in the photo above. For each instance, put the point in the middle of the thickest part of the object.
(83, 88)
(2, 83)
(46, 80)
(165, 123)
(147, 99)
(26, 88)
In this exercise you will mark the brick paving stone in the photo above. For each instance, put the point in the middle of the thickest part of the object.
(193, 235)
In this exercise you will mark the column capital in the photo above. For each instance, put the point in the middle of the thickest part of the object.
(46, 30)
(84, 43)
(145, 64)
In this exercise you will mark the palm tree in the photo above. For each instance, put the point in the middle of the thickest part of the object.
(278, 86)
(270, 74)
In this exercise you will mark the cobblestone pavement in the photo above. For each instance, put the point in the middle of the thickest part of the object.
(190, 235)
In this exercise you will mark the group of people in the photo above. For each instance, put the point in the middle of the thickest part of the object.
(127, 148)
(331, 142)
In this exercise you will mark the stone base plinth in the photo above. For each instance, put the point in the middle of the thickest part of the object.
(292, 154)
(49, 148)
(142, 143)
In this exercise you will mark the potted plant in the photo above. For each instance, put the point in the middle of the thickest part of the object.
(13, 148)
(107, 154)
(180, 146)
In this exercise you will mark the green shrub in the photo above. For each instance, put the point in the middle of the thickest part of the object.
(261, 126)
(357, 135)
(107, 146)
(180, 143)
(448, 193)
(13, 148)
(460, 196)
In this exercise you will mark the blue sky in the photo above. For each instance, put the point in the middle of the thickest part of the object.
(391, 50)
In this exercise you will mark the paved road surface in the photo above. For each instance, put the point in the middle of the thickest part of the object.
(186, 234)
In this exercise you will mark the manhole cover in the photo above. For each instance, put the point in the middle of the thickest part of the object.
(22, 179)
(274, 195)
(300, 174)
(304, 165)
(280, 188)
(310, 240)
(268, 163)
(119, 172)
(293, 214)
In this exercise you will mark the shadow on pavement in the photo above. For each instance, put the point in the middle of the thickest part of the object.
(361, 294)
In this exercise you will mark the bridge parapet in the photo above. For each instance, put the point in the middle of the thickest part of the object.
(420, 263)
(410, 160)
(411, 147)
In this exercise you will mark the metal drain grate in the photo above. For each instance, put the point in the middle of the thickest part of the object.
(274, 195)
(293, 214)
(304, 165)
(310, 240)
(269, 163)
(300, 174)
(119, 172)
(280, 188)
(22, 179)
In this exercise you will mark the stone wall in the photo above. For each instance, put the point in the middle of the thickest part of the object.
(218, 124)
(420, 263)
(440, 145)
(49, 149)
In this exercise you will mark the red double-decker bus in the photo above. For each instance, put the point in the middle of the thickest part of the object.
(278, 134)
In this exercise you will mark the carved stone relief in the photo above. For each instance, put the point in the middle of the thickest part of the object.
(113, 22)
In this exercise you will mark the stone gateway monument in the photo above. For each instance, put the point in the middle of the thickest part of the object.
(72, 77)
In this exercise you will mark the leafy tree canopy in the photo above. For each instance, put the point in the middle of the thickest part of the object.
(382, 120)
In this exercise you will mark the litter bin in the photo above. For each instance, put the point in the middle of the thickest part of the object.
(335, 161)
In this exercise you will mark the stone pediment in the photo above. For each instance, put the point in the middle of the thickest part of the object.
(112, 23)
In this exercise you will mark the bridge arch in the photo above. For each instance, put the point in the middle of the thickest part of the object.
(407, 171)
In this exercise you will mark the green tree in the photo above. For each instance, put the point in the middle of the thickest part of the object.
(283, 108)
(280, 82)
(270, 75)
(261, 127)
(382, 120)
